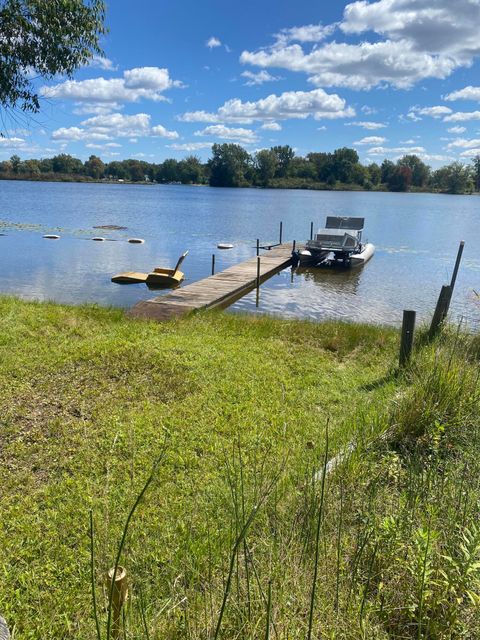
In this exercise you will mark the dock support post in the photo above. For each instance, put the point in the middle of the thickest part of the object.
(294, 245)
(281, 233)
(213, 264)
(457, 265)
(258, 247)
(406, 341)
(441, 310)
(258, 272)
(311, 230)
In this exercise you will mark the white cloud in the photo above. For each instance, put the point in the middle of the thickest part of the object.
(114, 125)
(107, 145)
(470, 153)
(102, 63)
(414, 40)
(258, 78)
(12, 143)
(147, 83)
(271, 126)
(228, 133)
(213, 42)
(437, 111)
(86, 108)
(190, 146)
(159, 130)
(307, 33)
(381, 151)
(457, 129)
(371, 140)
(464, 143)
(462, 116)
(467, 93)
(368, 111)
(372, 126)
(290, 104)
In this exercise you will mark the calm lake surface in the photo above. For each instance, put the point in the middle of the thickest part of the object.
(416, 236)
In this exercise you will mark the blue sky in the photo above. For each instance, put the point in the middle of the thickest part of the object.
(388, 77)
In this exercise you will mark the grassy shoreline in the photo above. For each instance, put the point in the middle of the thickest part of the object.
(238, 409)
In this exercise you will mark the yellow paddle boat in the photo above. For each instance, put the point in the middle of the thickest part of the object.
(159, 277)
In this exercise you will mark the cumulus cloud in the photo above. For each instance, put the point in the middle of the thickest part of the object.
(228, 133)
(290, 104)
(190, 146)
(437, 111)
(147, 83)
(467, 93)
(371, 140)
(271, 126)
(384, 151)
(470, 153)
(114, 125)
(372, 126)
(464, 143)
(213, 42)
(307, 33)
(462, 116)
(457, 129)
(258, 78)
(414, 39)
(102, 63)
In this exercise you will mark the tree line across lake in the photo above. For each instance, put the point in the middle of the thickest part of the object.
(278, 167)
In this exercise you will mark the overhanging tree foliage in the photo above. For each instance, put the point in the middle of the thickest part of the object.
(44, 38)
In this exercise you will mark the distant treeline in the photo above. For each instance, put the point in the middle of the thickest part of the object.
(278, 167)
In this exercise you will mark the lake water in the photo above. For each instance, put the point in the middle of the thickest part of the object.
(416, 236)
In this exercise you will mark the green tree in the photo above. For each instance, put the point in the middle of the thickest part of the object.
(266, 163)
(229, 165)
(46, 165)
(65, 163)
(323, 163)
(284, 155)
(400, 178)
(15, 162)
(420, 171)
(168, 171)
(190, 170)
(94, 167)
(453, 178)
(44, 38)
(31, 167)
(375, 173)
(476, 172)
(387, 169)
(343, 162)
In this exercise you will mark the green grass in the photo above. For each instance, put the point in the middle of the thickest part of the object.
(226, 535)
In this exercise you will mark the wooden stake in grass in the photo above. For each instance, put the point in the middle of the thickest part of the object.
(408, 329)
(119, 588)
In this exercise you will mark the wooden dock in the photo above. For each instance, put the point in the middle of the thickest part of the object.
(216, 290)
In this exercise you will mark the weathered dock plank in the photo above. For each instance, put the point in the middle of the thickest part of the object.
(215, 290)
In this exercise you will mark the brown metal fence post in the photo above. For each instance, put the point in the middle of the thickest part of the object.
(406, 341)
(441, 310)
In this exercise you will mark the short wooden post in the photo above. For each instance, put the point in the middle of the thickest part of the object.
(281, 233)
(457, 265)
(119, 595)
(311, 231)
(258, 272)
(258, 247)
(213, 264)
(441, 310)
(406, 341)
